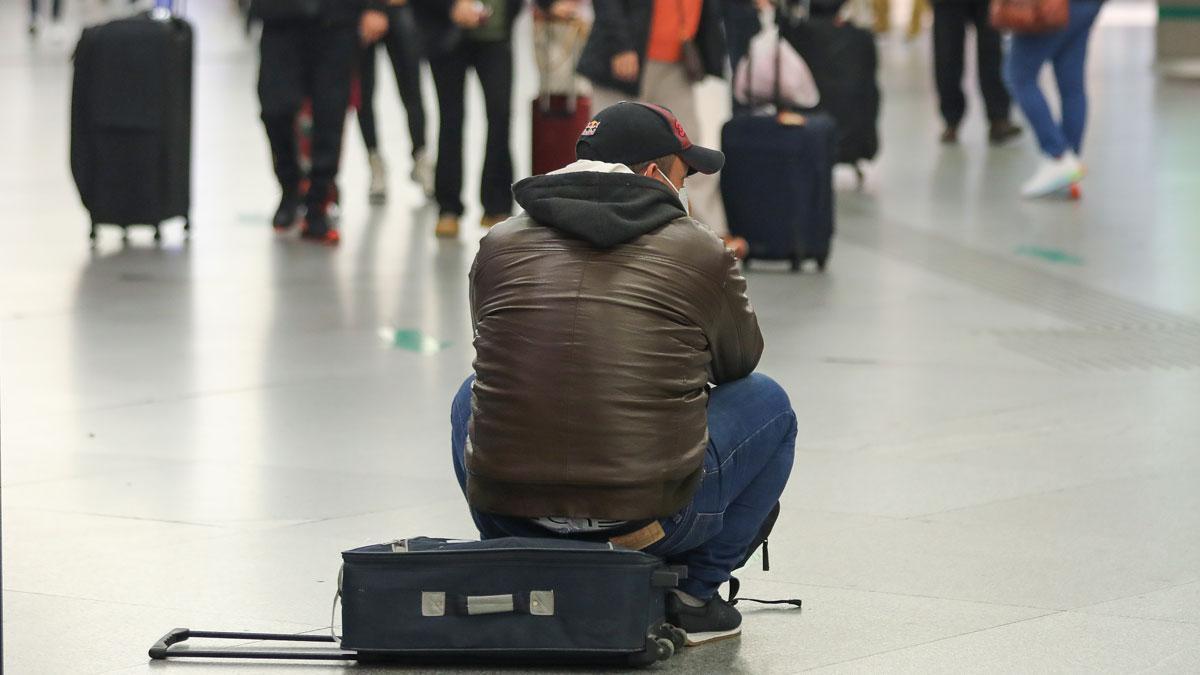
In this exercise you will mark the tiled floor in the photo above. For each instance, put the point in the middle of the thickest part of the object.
(999, 445)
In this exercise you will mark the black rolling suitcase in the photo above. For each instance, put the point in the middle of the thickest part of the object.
(512, 600)
(843, 59)
(777, 185)
(131, 120)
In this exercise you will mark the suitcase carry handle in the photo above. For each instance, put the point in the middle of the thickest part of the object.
(163, 648)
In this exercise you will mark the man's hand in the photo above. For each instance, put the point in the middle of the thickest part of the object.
(467, 14)
(372, 26)
(625, 66)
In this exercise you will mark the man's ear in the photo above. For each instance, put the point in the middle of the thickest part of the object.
(651, 171)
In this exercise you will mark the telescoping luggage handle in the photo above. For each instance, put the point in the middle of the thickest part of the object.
(163, 648)
(554, 30)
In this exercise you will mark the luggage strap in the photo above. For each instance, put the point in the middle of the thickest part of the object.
(735, 586)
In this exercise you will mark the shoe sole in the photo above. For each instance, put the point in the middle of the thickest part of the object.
(697, 639)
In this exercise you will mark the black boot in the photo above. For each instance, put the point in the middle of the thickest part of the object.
(288, 211)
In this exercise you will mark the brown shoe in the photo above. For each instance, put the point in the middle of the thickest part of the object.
(1002, 131)
(950, 136)
(736, 245)
(447, 226)
(491, 220)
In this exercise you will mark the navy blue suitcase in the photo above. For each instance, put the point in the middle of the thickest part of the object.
(131, 120)
(508, 600)
(777, 185)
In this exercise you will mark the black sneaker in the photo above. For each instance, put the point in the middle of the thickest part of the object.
(288, 211)
(716, 620)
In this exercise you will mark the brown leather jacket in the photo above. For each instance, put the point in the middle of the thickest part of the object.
(600, 315)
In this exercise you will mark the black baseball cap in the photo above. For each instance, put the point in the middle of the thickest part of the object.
(631, 133)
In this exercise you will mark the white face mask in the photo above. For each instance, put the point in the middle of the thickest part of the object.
(680, 192)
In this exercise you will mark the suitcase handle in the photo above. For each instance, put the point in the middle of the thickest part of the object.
(162, 649)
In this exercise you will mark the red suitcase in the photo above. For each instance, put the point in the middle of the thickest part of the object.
(557, 122)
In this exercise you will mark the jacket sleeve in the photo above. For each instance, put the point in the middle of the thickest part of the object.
(734, 340)
(612, 21)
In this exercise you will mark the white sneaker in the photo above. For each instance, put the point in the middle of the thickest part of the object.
(1054, 175)
(377, 193)
(422, 172)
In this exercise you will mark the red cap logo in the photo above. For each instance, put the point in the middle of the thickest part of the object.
(676, 127)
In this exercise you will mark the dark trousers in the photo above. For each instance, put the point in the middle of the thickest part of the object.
(401, 44)
(492, 62)
(950, 19)
(313, 60)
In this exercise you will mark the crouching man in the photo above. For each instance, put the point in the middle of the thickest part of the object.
(603, 315)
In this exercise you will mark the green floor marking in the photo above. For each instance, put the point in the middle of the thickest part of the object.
(412, 340)
(1053, 255)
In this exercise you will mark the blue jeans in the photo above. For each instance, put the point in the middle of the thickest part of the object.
(752, 440)
(1067, 50)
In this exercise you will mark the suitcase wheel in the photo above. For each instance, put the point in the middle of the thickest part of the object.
(821, 263)
(657, 649)
(675, 634)
(157, 232)
(797, 264)
(666, 648)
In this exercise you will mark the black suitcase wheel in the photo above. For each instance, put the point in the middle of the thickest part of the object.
(666, 648)
(797, 264)
(821, 263)
(157, 232)
(656, 649)
(676, 635)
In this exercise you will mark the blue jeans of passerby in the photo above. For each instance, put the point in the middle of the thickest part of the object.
(752, 439)
(1066, 49)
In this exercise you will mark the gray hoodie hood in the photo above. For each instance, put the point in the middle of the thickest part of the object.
(600, 203)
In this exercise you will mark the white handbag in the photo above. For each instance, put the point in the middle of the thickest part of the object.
(773, 74)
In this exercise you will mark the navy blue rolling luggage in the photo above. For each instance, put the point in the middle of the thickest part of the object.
(777, 185)
(508, 600)
(131, 120)
(843, 60)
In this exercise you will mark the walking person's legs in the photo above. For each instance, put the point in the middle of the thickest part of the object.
(401, 44)
(280, 94)
(949, 36)
(333, 50)
(493, 63)
(377, 190)
(1070, 72)
(989, 53)
(1060, 167)
(449, 77)
(366, 107)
